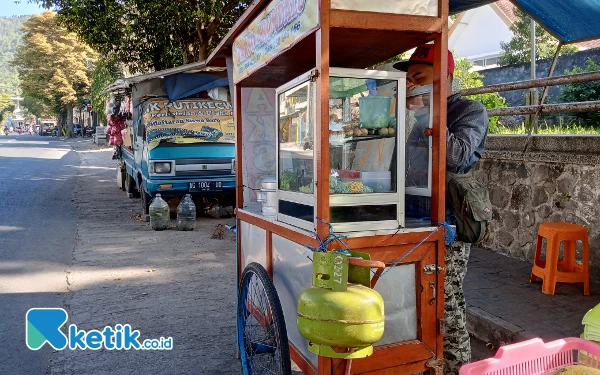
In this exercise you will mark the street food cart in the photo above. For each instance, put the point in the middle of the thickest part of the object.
(321, 153)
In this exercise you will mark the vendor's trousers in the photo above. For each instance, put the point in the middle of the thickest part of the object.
(457, 346)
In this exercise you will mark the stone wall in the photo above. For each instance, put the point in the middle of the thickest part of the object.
(557, 179)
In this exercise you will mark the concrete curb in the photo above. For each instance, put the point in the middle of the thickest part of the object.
(492, 329)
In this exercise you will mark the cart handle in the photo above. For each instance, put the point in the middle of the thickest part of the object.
(360, 262)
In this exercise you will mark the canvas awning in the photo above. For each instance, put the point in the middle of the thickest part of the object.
(181, 81)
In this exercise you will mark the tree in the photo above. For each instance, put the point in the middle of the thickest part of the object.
(6, 107)
(103, 75)
(37, 107)
(54, 66)
(149, 34)
(518, 49)
(583, 92)
(465, 78)
(10, 38)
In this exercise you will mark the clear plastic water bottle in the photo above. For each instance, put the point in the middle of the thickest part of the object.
(159, 214)
(186, 214)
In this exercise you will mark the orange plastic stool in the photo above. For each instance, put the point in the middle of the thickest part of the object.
(550, 269)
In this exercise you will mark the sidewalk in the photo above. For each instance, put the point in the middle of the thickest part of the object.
(182, 284)
(169, 283)
(503, 307)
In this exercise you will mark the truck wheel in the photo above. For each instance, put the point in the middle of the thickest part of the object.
(145, 201)
(130, 185)
(121, 178)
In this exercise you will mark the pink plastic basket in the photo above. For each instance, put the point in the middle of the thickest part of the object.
(533, 357)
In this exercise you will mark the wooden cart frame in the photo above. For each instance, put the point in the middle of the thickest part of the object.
(358, 39)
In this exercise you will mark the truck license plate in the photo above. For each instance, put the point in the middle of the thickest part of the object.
(200, 186)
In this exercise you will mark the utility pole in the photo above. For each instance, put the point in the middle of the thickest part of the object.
(533, 120)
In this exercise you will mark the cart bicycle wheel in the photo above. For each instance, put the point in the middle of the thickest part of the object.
(262, 336)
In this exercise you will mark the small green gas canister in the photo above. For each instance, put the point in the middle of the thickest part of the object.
(341, 310)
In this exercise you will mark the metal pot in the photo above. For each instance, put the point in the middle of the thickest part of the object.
(268, 196)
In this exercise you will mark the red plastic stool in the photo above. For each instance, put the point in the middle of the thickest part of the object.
(550, 269)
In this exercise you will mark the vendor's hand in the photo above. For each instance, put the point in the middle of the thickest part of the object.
(410, 85)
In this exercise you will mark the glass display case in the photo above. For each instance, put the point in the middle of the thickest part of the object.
(296, 157)
(366, 183)
(412, 7)
(367, 150)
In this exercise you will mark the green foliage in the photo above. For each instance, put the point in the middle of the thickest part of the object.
(6, 107)
(547, 128)
(583, 92)
(54, 66)
(147, 35)
(10, 39)
(103, 75)
(518, 49)
(469, 79)
(37, 107)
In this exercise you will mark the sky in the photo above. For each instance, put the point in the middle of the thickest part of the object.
(24, 7)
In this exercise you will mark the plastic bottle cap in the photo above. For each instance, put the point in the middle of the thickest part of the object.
(158, 195)
(188, 195)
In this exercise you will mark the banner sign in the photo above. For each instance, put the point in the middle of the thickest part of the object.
(188, 121)
(277, 28)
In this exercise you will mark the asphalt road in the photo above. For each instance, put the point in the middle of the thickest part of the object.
(37, 237)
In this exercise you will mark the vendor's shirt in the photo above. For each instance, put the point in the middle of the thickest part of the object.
(467, 129)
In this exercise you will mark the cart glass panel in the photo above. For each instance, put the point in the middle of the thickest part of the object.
(362, 135)
(412, 7)
(418, 145)
(418, 152)
(296, 152)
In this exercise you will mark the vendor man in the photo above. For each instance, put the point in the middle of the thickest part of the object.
(467, 127)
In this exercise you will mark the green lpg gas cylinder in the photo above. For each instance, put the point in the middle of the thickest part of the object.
(335, 314)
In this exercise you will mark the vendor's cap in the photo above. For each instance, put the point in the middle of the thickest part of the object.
(424, 54)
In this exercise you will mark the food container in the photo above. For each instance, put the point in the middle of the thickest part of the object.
(346, 174)
(380, 182)
(375, 111)
(268, 196)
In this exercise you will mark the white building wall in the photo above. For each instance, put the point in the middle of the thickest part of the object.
(479, 34)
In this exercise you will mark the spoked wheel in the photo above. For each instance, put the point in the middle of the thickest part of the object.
(262, 336)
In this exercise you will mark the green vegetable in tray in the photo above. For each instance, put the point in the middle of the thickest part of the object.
(337, 186)
(289, 181)
(308, 189)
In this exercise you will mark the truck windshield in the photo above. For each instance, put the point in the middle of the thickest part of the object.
(188, 121)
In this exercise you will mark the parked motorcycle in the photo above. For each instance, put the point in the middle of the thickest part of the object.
(89, 131)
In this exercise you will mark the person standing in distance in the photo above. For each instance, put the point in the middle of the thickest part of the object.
(466, 131)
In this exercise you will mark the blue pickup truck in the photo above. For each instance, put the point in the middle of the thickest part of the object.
(180, 147)
(179, 137)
